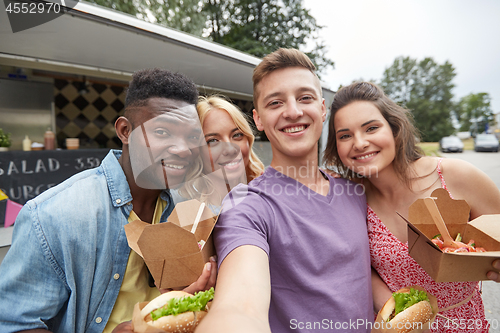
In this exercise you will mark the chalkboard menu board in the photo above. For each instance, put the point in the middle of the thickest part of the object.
(26, 174)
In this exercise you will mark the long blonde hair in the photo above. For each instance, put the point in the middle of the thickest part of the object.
(255, 166)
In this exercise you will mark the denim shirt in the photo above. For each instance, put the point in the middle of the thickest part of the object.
(69, 253)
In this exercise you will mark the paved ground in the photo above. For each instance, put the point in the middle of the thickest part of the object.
(490, 164)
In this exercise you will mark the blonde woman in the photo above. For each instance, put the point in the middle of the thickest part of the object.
(228, 157)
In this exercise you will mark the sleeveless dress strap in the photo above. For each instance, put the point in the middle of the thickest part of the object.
(440, 173)
(441, 177)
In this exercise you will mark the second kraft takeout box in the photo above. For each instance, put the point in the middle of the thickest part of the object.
(169, 249)
(451, 267)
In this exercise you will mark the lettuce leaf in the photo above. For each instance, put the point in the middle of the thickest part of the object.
(405, 300)
(177, 306)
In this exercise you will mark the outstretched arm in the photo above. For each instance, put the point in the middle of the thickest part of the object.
(465, 181)
(243, 294)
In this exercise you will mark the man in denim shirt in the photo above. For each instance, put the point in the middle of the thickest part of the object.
(69, 261)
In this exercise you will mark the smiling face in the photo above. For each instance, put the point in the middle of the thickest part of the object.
(291, 111)
(227, 147)
(164, 143)
(365, 141)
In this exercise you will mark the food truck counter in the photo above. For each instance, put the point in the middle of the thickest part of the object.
(25, 174)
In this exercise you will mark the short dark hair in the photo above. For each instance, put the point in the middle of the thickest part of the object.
(157, 82)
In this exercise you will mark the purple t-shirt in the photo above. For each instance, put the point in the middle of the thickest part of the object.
(317, 246)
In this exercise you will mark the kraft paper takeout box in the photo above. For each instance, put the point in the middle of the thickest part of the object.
(380, 326)
(138, 323)
(169, 249)
(451, 267)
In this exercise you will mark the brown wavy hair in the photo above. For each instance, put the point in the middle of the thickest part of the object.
(399, 118)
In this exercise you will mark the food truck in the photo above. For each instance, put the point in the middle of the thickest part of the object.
(68, 76)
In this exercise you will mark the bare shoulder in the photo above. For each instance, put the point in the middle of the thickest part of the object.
(425, 166)
(465, 181)
(463, 175)
(452, 168)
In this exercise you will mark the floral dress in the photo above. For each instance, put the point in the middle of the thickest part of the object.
(390, 258)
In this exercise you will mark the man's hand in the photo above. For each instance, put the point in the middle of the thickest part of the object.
(125, 327)
(494, 276)
(206, 280)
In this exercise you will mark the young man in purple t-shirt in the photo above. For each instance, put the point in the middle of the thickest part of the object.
(292, 245)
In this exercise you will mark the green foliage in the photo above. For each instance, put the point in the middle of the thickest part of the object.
(405, 300)
(4, 139)
(430, 148)
(218, 18)
(259, 27)
(184, 15)
(474, 112)
(177, 306)
(127, 6)
(424, 87)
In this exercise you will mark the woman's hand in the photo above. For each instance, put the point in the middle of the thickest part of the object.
(206, 280)
(492, 275)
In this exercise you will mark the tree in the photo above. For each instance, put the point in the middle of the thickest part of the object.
(184, 15)
(259, 27)
(399, 79)
(424, 87)
(474, 112)
(217, 25)
(131, 7)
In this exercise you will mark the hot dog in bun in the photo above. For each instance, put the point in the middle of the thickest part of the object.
(177, 311)
(407, 310)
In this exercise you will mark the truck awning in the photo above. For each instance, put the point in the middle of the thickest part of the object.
(99, 42)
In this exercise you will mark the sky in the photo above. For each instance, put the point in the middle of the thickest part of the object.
(365, 36)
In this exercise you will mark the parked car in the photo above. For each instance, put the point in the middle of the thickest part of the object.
(486, 142)
(451, 144)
